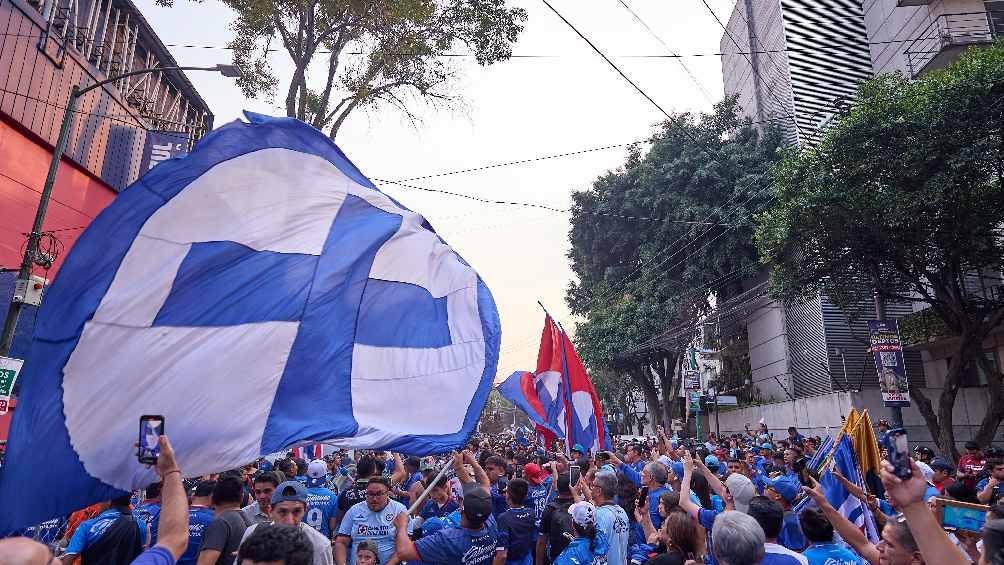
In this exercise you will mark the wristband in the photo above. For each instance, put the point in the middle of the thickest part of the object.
(164, 476)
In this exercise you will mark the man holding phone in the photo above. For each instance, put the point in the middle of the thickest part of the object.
(990, 490)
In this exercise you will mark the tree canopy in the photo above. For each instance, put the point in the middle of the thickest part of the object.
(353, 54)
(651, 239)
(903, 197)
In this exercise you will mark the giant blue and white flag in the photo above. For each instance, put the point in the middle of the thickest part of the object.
(259, 293)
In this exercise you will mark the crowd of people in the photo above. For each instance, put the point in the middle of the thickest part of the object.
(744, 499)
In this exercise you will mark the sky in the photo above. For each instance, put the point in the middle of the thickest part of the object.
(519, 109)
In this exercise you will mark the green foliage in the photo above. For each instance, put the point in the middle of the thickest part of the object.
(365, 53)
(903, 198)
(922, 326)
(637, 278)
(903, 193)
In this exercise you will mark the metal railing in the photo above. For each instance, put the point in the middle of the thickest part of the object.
(949, 31)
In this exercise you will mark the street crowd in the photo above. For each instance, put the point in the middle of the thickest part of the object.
(505, 500)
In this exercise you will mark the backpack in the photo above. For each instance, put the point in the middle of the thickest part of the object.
(560, 529)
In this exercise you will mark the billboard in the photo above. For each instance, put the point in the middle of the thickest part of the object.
(889, 363)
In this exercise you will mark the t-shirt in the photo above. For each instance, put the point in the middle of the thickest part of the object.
(669, 558)
(456, 546)
(995, 495)
(352, 495)
(321, 545)
(612, 521)
(972, 466)
(362, 524)
(158, 555)
(707, 520)
(554, 524)
(224, 535)
(322, 505)
(149, 512)
(90, 531)
(791, 533)
(199, 518)
(653, 506)
(407, 484)
(432, 509)
(517, 532)
(778, 555)
(537, 497)
(499, 502)
(831, 554)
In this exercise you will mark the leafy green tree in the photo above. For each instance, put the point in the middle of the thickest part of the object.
(903, 198)
(652, 239)
(365, 53)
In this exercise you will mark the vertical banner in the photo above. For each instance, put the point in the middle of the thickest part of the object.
(889, 362)
(161, 146)
(694, 402)
(9, 370)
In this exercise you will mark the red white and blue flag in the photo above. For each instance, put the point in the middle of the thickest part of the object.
(559, 397)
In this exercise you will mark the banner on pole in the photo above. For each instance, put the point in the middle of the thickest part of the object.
(691, 380)
(161, 146)
(694, 402)
(9, 370)
(889, 362)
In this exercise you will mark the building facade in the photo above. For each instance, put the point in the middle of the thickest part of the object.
(47, 47)
(796, 64)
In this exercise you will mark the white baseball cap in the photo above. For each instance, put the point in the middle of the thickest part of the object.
(583, 513)
(317, 469)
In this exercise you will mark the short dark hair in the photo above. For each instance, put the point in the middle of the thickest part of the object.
(768, 514)
(815, 526)
(564, 484)
(301, 466)
(994, 462)
(366, 467)
(272, 542)
(793, 429)
(228, 490)
(495, 461)
(153, 489)
(518, 488)
(121, 501)
(287, 466)
(267, 477)
(379, 480)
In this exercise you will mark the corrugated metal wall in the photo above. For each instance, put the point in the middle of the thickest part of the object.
(852, 339)
(807, 349)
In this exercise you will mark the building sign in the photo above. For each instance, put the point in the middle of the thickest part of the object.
(691, 380)
(889, 362)
(161, 146)
(9, 370)
(694, 402)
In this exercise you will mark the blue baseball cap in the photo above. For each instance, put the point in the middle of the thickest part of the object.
(290, 491)
(578, 447)
(787, 486)
(678, 469)
(712, 462)
(767, 446)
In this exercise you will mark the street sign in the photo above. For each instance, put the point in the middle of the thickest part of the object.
(694, 402)
(10, 368)
(726, 400)
(691, 380)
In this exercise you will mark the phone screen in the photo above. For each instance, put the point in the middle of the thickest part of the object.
(957, 518)
(573, 475)
(899, 452)
(150, 430)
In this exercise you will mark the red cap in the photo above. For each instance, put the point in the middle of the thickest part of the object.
(533, 473)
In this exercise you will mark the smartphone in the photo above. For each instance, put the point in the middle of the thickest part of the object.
(642, 497)
(573, 475)
(956, 516)
(151, 427)
(899, 452)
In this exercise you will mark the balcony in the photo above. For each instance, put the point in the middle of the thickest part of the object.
(942, 42)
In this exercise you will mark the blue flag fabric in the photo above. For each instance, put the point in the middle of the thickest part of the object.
(838, 496)
(259, 293)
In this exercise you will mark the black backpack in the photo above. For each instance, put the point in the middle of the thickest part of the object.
(560, 529)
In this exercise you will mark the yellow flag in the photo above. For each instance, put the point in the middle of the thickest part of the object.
(850, 422)
(866, 444)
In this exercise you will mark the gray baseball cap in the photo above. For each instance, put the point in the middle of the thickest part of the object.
(290, 491)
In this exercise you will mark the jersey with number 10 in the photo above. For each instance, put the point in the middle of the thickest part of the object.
(322, 504)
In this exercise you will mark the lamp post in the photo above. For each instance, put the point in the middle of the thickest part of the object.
(31, 250)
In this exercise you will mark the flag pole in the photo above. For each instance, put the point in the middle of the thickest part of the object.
(425, 493)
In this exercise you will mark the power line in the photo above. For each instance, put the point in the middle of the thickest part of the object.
(651, 32)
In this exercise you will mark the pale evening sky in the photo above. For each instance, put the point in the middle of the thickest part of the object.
(519, 109)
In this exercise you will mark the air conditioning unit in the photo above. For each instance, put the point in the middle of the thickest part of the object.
(29, 291)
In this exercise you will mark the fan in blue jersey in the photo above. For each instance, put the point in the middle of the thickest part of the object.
(373, 520)
(473, 543)
(540, 488)
(440, 504)
(149, 510)
(517, 532)
(322, 503)
(402, 492)
(200, 515)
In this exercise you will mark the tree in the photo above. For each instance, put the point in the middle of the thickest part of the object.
(903, 199)
(698, 186)
(366, 52)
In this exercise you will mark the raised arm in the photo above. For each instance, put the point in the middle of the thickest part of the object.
(908, 496)
(847, 529)
(400, 474)
(688, 472)
(173, 531)
(463, 475)
(713, 480)
(479, 474)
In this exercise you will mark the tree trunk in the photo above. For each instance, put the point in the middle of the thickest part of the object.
(665, 374)
(940, 423)
(995, 407)
(641, 376)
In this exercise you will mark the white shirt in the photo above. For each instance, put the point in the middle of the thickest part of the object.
(321, 544)
(781, 550)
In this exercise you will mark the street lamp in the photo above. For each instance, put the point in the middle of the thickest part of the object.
(31, 250)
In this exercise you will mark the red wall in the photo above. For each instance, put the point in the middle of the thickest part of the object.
(76, 198)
